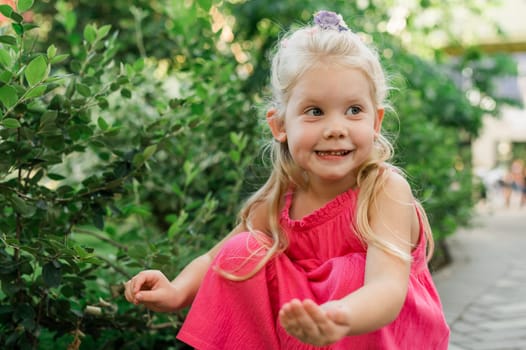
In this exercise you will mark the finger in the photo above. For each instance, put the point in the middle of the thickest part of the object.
(138, 281)
(316, 313)
(127, 291)
(317, 319)
(147, 296)
(328, 330)
(302, 318)
(288, 319)
(288, 312)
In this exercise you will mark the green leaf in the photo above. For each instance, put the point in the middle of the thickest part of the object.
(59, 58)
(103, 31)
(8, 39)
(36, 70)
(205, 4)
(98, 221)
(176, 226)
(23, 311)
(81, 252)
(102, 124)
(138, 65)
(83, 89)
(90, 34)
(235, 156)
(80, 132)
(36, 91)
(10, 123)
(16, 17)
(138, 251)
(21, 207)
(5, 76)
(102, 102)
(24, 5)
(48, 117)
(130, 72)
(18, 28)
(138, 160)
(5, 58)
(122, 80)
(56, 177)
(6, 10)
(29, 26)
(190, 172)
(149, 151)
(51, 51)
(49, 129)
(126, 93)
(51, 274)
(8, 96)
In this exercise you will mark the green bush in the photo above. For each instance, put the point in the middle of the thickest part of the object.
(108, 170)
(51, 120)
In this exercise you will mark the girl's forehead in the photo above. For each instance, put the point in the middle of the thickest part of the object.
(333, 70)
(326, 79)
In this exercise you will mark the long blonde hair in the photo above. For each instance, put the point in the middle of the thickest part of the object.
(296, 53)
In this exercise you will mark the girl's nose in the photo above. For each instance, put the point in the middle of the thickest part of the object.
(334, 129)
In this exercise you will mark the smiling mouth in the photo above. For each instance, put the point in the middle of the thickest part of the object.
(332, 153)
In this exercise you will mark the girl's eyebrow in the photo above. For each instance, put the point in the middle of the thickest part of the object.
(350, 100)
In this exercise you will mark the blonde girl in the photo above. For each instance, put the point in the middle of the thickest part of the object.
(332, 251)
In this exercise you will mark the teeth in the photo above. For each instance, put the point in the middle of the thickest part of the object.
(332, 153)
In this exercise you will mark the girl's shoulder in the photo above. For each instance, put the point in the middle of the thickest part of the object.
(259, 216)
(394, 183)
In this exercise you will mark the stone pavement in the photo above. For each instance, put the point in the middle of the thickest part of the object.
(484, 290)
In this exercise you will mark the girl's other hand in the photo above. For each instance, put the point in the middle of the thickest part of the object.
(152, 289)
(312, 323)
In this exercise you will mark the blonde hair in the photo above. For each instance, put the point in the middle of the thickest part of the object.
(296, 53)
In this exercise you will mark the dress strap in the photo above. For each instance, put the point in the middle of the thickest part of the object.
(419, 251)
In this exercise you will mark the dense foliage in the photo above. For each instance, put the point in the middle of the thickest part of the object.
(129, 136)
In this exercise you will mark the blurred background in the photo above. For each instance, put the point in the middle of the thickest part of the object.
(131, 132)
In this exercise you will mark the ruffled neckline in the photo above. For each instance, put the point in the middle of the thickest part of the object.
(319, 216)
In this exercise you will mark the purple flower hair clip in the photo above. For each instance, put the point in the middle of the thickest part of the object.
(330, 20)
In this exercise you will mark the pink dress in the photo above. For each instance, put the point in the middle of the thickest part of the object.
(324, 261)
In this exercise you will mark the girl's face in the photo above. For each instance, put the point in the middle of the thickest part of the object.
(330, 124)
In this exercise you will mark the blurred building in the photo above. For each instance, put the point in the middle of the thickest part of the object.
(503, 137)
(496, 142)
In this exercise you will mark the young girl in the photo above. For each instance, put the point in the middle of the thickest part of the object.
(331, 251)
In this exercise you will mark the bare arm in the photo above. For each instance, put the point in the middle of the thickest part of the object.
(381, 298)
(189, 279)
(153, 289)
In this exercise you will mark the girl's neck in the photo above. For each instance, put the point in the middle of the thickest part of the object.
(312, 198)
(328, 190)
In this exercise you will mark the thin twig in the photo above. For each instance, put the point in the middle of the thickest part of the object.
(101, 237)
(115, 267)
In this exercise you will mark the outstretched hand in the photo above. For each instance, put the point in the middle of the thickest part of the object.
(315, 324)
(152, 289)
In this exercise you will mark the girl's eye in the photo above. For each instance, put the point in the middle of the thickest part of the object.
(354, 110)
(315, 112)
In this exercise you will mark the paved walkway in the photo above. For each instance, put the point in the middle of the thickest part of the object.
(484, 290)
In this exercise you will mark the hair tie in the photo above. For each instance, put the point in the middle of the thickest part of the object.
(330, 20)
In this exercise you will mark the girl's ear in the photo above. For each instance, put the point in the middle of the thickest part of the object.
(276, 125)
(379, 118)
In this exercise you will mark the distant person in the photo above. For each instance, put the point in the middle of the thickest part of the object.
(331, 251)
(514, 182)
(523, 196)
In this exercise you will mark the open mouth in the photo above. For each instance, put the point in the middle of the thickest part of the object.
(333, 153)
